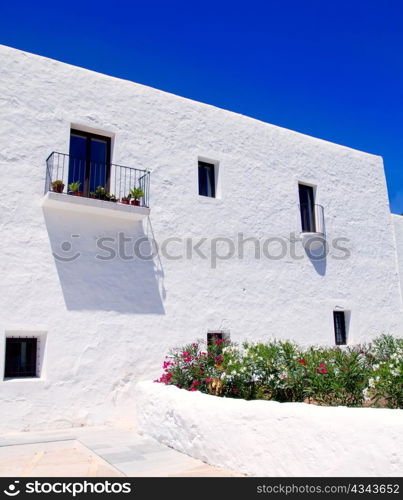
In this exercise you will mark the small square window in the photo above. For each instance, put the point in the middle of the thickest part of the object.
(340, 332)
(207, 176)
(21, 357)
(217, 335)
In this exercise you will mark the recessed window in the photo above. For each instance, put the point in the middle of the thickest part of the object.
(89, 161)
(207, 181)
(340, 327)
(307, 208)
(21, 357)
(217, 335)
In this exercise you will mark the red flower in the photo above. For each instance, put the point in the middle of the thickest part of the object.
(167, 364)
(317, 370)
(302, 361)
(324, 370)
(208, 380)
(322, 365)
(219, 341)
(192, 389)
(165, 378)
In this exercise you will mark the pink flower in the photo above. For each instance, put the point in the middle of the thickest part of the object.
(208, 380)
(302, 361)
(322, 365)
(324, 370)
(192, 389)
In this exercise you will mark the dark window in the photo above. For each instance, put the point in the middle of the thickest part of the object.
(89, 162)
(307, 207)
(213, 336)
(20, 357)
(206, 179)
(340, 327)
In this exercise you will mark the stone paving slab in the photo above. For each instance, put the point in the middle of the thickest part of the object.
(53, 459)
(96, 452)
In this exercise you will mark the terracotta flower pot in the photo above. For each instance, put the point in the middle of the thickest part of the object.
(125, 202)
(58, 188)
(136, 202)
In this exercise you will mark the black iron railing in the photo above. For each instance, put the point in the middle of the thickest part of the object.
(312, 218)
(93, 179)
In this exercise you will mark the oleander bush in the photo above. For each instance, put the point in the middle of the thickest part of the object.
(365, 375)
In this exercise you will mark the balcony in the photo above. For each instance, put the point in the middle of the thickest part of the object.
(94, 187)
(312, 226)
(312, 219)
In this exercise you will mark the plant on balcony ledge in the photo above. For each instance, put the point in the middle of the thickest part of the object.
(111, 197)
(74, 189)
(100, 193)
(57, 186)
(125, 200)
(136, 193)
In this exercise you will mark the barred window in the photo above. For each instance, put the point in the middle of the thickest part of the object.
(21, 357)
(340, 327)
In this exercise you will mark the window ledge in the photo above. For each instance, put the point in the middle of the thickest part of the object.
(314, 241)
(18, 380)
(93, 206)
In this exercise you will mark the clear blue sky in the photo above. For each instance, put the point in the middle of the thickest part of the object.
(331, 69)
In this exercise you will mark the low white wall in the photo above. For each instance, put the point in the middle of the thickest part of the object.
(266, 438)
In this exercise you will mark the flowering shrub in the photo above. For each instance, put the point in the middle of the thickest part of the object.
(385, 386)
(283, 371)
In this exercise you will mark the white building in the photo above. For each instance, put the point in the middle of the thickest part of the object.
(103, 323)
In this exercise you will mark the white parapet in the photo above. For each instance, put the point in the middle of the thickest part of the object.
(266, 438)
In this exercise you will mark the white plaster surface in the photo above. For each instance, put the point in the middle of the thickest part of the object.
(398, 226)
(110, 323)
(266, 438)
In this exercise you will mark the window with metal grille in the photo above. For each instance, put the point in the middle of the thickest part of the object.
(21, 356)
(206, 179)
(340, 327)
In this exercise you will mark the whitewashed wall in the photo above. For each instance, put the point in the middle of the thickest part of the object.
(266, 438)
(398, 226)
(109, 324)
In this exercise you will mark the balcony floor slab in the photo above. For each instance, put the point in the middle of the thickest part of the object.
(93, 206)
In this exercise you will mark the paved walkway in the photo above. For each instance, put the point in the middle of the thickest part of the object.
(95, 452)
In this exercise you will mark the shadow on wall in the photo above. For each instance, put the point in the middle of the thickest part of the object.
(98, 270)
(316, 250)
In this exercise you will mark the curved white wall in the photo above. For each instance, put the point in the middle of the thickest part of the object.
(266, 438)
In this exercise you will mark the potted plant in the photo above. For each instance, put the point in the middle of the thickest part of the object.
(100, 192)
(111, 197)
(74, 188)
(136, 193)
(57, 186)
(92, 194)
(125, 200)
